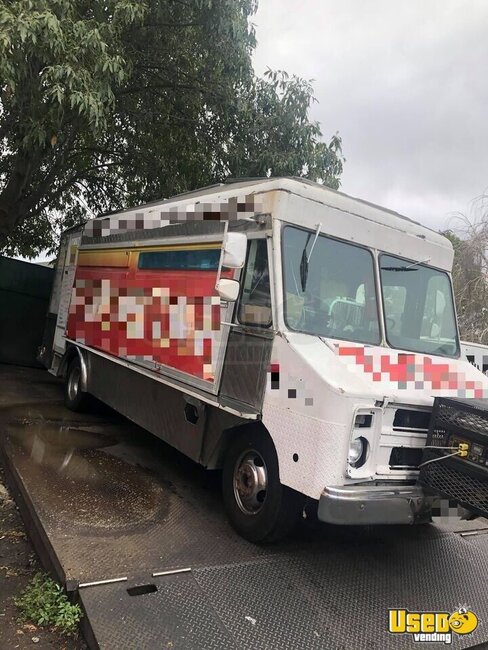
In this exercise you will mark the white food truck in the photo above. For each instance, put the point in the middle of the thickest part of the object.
(289, 334)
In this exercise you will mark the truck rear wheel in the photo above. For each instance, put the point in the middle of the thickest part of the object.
(258, 506)
(74, 397)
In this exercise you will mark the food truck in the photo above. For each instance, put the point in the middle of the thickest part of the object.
(288, 334)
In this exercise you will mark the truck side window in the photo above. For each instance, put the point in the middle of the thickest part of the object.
(255, 301)
(185, 260)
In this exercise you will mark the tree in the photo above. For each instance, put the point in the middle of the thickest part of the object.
(105, 104)
(59, 64)
(470, 275)
(273, 133)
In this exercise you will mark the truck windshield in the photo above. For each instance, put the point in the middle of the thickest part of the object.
(335, 295)
(419, 311)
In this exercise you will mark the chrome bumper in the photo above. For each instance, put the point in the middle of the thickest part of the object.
(372, 504)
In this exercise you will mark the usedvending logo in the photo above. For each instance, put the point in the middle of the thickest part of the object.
(429, 627)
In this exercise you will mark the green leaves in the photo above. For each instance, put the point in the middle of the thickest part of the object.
(146, 99)
(275, 136)
(64, 55)
(44, 603)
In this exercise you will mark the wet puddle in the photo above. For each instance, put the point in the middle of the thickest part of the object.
(65, 462)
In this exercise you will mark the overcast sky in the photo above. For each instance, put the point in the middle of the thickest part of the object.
(404, 83)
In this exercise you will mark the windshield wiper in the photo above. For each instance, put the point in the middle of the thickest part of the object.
(304, 262)
(410, 267)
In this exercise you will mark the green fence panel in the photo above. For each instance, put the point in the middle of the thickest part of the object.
(24, 298)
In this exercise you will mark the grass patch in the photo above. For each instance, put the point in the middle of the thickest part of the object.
(44, 603)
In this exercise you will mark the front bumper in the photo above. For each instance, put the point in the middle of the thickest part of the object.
(372, 504)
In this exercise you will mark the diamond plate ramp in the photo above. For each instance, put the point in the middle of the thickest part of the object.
(178, 616)
(316, 601)
(341, 600)
(111, 500)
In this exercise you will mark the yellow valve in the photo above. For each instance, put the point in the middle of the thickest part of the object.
(463, 446)
(463, 453)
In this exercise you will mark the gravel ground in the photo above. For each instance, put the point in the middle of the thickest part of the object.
(18, 564)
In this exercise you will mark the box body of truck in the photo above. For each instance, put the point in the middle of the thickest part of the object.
(316, 379)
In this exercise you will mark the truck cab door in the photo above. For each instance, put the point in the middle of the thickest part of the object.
(250, 340)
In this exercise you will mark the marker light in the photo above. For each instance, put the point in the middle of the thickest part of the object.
(363, 420)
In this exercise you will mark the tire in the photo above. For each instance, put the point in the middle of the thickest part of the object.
(74, 398)
(259, 507)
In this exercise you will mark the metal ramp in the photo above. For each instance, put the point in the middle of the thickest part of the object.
(312, 601)
(104, 501)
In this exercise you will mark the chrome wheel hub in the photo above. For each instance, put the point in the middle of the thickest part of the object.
(250, 482)
(74, 383)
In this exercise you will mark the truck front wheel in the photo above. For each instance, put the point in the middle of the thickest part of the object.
(258, 506)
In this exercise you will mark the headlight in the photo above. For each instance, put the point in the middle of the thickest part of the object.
(357, 452)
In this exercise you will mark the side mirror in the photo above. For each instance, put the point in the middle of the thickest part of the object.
(235, 247)
(228, 289)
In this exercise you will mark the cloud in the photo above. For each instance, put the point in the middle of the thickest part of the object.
(405, 85)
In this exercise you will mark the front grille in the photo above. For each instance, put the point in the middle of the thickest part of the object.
(450, 416)
(469, 491)
(411, 420)
(462, 479)
(405, 457)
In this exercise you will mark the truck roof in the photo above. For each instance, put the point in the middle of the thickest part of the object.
(259, 185)
(296, 185)
(303, 188)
